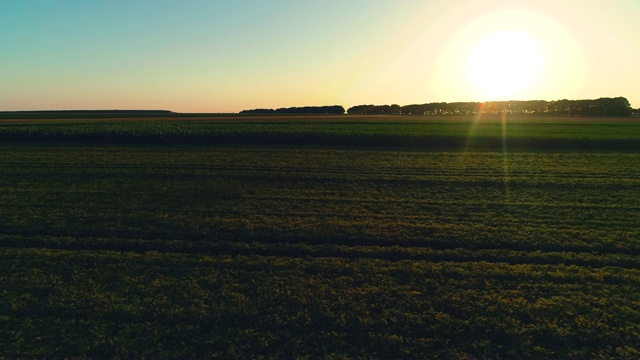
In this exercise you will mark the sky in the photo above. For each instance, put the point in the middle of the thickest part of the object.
(227, 56)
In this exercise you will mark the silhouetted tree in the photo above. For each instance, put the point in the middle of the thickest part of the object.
(320, 110)
(600, 107)
(258, 111)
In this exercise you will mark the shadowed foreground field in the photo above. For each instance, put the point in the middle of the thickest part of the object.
(120, 245)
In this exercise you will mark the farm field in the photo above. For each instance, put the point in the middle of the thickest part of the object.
(384, 237)
(424, 132)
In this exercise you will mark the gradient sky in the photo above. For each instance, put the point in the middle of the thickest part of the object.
(226, 56)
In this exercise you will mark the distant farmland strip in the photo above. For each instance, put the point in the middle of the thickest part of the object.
(522, 134)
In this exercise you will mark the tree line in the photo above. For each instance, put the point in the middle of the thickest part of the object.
(618, 106)
(321, 110)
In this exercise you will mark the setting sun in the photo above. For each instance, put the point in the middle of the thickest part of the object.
(504, 62)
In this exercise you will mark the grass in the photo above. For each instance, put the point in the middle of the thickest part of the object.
(247, 249)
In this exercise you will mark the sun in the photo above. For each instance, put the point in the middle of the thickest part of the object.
(504, 62)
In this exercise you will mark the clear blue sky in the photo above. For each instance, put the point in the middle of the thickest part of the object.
(225, 56)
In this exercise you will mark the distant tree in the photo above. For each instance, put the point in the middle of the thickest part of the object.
(622, 107)
(257, 111)
(319, 110)
(361, 110)
(414, 109)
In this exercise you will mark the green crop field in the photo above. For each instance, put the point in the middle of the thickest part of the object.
(320, 237)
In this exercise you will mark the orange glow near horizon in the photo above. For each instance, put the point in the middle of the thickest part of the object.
(229, 56)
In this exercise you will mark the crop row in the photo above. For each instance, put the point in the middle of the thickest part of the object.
(326, 249)
(439, 200)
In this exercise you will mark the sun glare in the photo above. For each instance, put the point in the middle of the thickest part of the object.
(504, 62)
